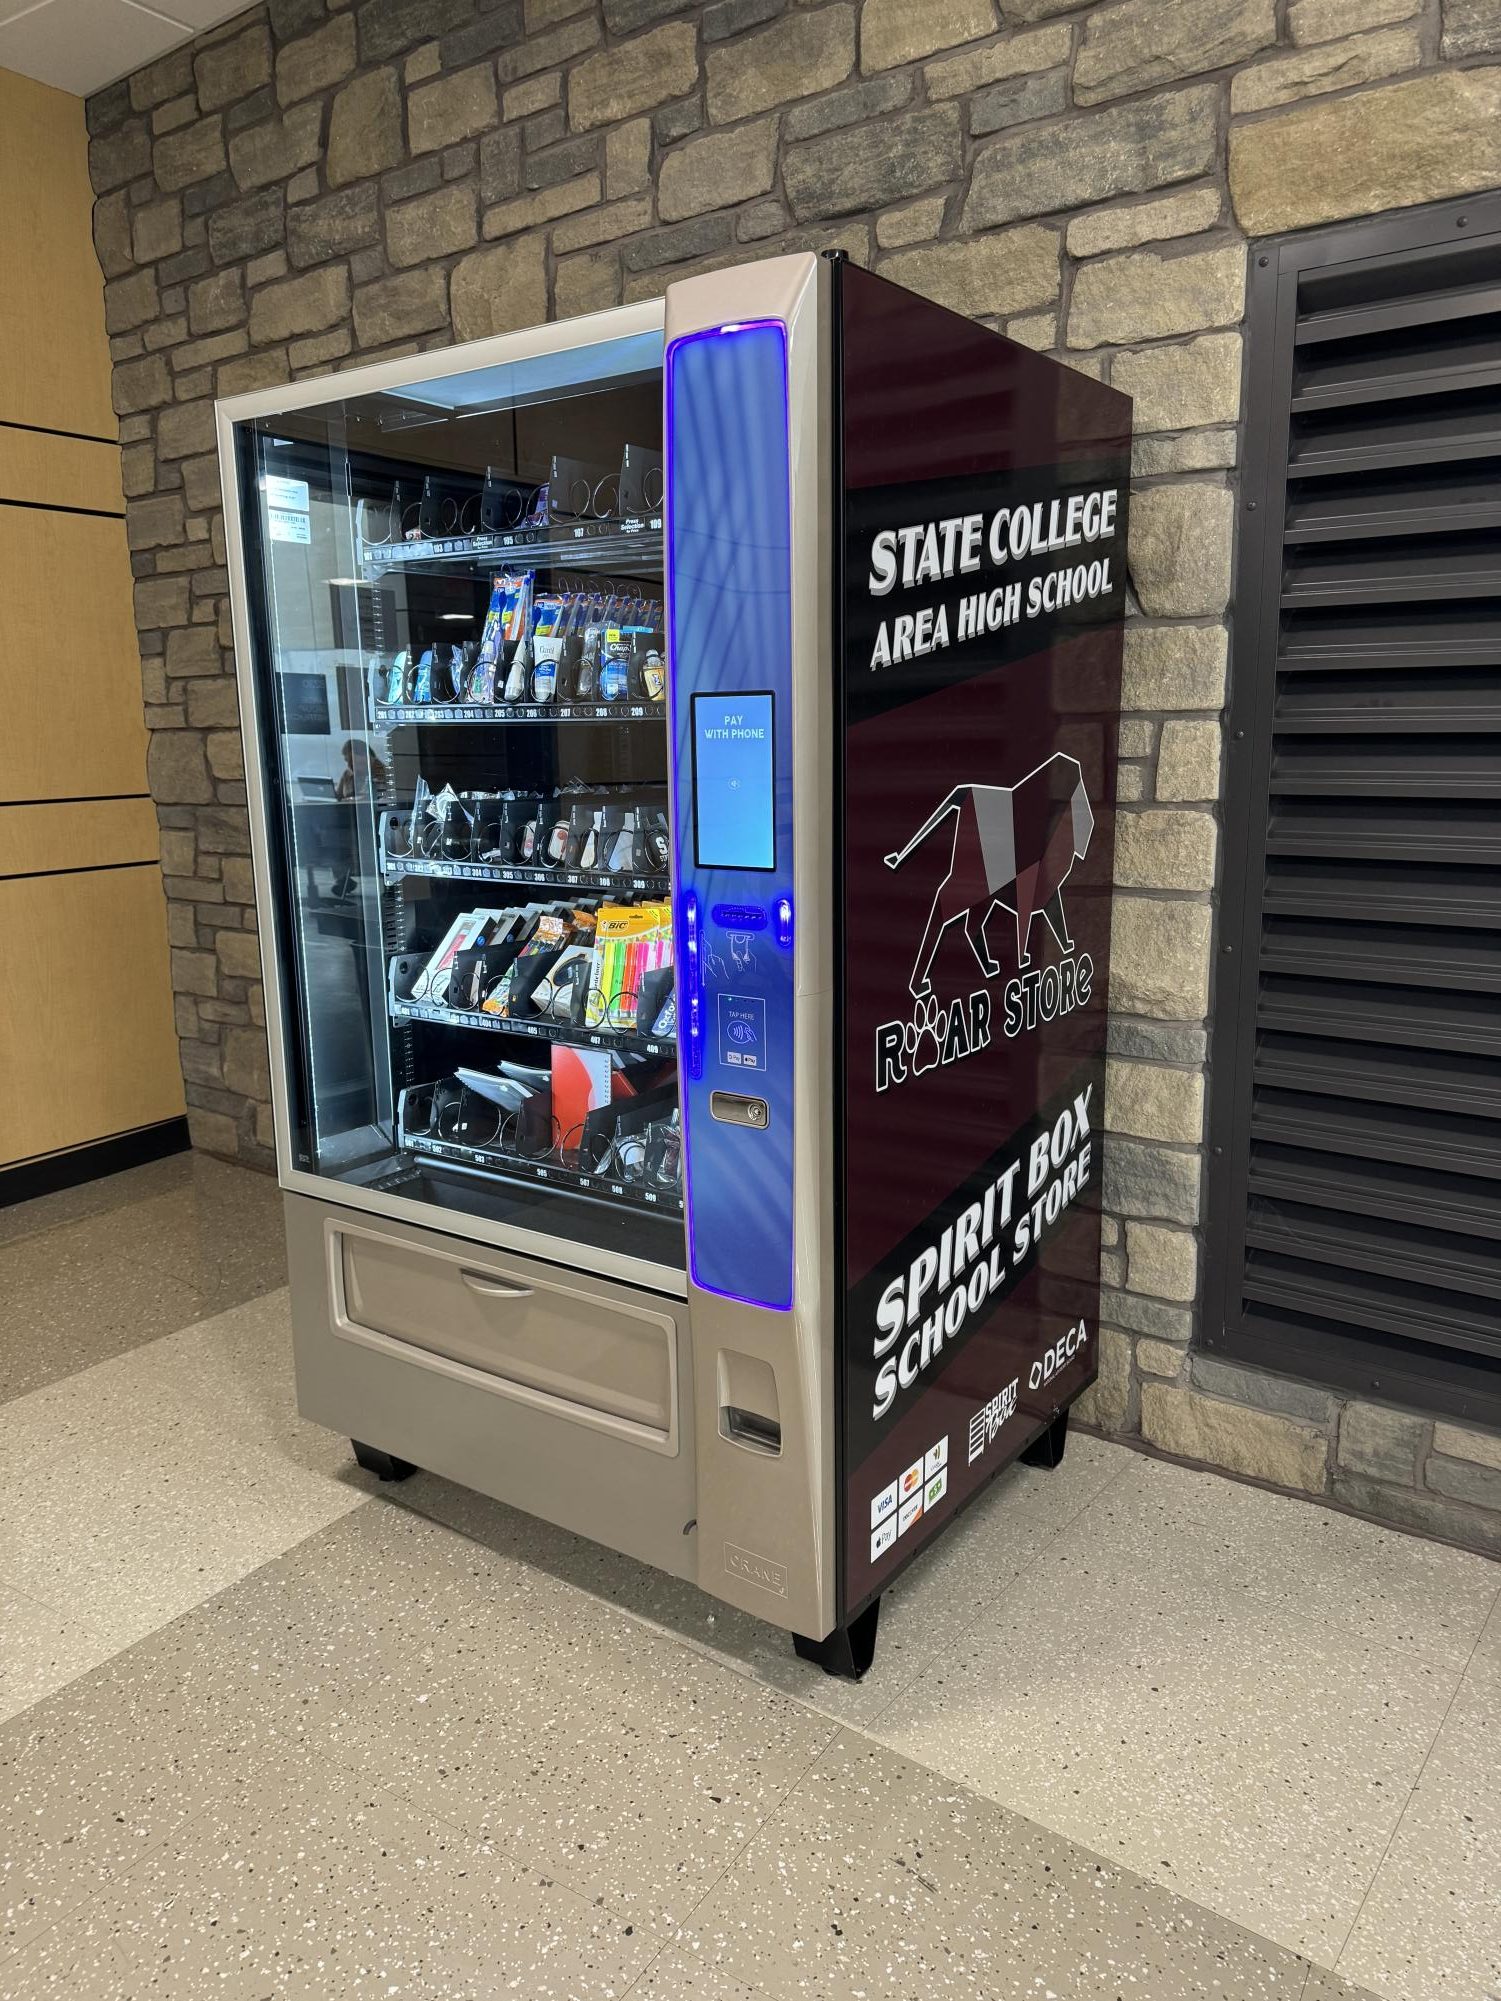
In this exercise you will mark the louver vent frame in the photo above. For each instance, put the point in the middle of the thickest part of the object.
(1354, 1183)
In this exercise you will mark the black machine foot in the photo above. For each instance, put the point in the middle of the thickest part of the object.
(848, 1651)
(1046, 1449)
(384, 1465)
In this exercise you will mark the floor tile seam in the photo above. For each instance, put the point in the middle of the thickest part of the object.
(89, 1900)
(1408, 1803)
(1116, 1869)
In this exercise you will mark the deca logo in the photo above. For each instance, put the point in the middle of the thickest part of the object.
(1062, 1352)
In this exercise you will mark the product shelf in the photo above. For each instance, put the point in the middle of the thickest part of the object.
(430, 713)
(630, 547)
(665, 1201)
(560, 878)
(539, 1031)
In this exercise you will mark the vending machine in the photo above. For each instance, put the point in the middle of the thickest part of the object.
(681, 762)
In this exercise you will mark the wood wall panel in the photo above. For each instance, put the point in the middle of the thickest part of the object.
(87, 1047)
(56, 358)
(54, 471)
(91, 833)
(70, 671)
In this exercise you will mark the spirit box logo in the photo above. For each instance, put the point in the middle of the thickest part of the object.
(1014, 847)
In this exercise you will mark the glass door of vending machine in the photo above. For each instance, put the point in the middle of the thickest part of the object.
(454, 594)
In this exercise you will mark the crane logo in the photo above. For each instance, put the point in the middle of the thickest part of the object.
(1012, 848)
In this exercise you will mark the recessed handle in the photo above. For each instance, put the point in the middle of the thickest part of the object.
(494, 1288)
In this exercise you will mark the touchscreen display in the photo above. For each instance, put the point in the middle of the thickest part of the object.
(733, 781)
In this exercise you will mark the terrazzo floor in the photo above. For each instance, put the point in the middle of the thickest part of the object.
(267, 1731)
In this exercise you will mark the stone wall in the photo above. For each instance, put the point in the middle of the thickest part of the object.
(324, 181)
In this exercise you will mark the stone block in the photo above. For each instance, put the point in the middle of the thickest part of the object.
(847, 172)
(113, 234)
(532, 211)
(799, 56)
(603, 225)
(157, 82)
(1422, 140)
(1132, 223)
(1146, 295)
(253, 371)
(540, 52)
(193, 972)
(894, 31)
(389, 26)
(961, 75)
(364, 129)
(586, 283)
(1159, 958)
(1173, 667)
(1158, 1358)
(1259, 1444)
(624, 17)
(161, 602)
(1141, 43)
(1176, 388)
(1127, 149)
(1179, 549)
(1326, 66)
(917, 222)
(537, 93)
(455, 107)
(1483, 1448)
(434, 225)
(246, 228)
(137, 470)
(1263, 1390)
(333, 226)
(156, 231)
(1428, 1513)
(705, 236)
(212, 705)
(719, 170)
(724, 18)
(1156, 1041)
(274, 151)
(1465, 1480)
(1327, 20)
(1162, 1261)
(393, 309)
(216, 303)
(239, 954)
(547, 165)
(301, 305)
(120, 156)
(247, 1067)
(852, 105)
(226, 71)
(1145, 1180)
(1386, 1444)
(1188, 451)
(316, 62)
(178, 775)
(628, 158)
(634, 76)
(186, 430)
(154, 523)
(1188, 760)
(1165, 850)
(498, 289)
(196, 153)
(226, 757)
(1471, 28)
(1107, 1403)
(1018, 101)
(1148, 1101)
(981, 275)
(1158, 1319)
(1137, 737)
(130, 302)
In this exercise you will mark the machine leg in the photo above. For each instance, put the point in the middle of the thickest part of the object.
(1046, 1449)
(384, 1465)
(848, 1651)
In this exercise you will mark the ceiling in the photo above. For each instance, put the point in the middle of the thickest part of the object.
(81, 45)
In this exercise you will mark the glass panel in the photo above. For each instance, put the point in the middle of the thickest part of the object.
(456, 601)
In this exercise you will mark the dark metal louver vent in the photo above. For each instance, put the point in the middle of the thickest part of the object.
(1356, 1173)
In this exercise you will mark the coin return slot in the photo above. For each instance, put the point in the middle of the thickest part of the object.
(733, 1109)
